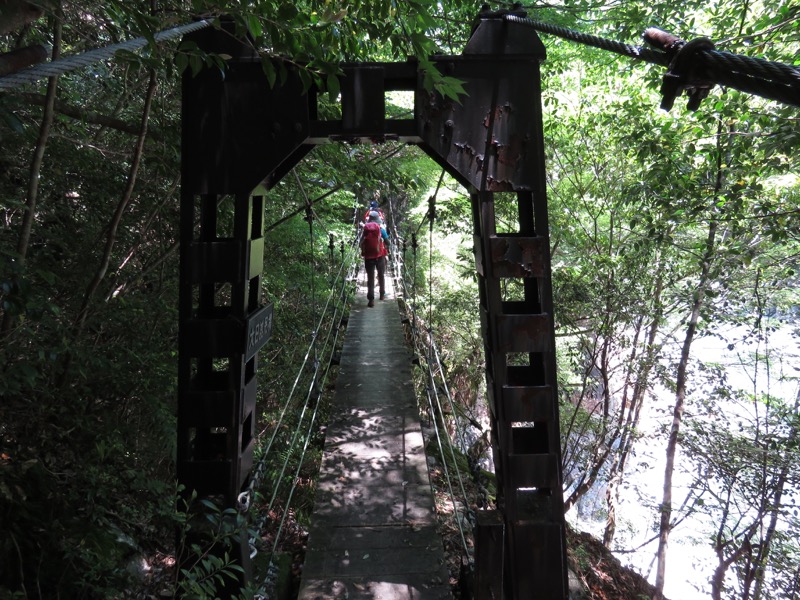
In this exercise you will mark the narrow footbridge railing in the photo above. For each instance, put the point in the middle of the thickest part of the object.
(276, 473)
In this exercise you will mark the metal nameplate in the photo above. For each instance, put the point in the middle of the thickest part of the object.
(259, 330)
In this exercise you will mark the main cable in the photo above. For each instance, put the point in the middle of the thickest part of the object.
(90, 57)
(769, 79)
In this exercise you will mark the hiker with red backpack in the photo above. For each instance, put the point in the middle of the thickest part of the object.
(373, 206)
(374, 240)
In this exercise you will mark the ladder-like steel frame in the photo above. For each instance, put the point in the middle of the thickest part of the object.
(240, 135)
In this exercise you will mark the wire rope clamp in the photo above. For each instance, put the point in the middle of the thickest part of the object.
(685, 72)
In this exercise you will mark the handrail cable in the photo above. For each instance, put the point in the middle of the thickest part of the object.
(430, 392)
(245, 497)
(310, 216)
(432, 379)
(458, 429)
(692, 62)
(447, 394)
(430, 352)
(90, 57)
(310, 390)
(314, 393)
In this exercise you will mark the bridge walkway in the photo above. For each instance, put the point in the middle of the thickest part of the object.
(373, 530)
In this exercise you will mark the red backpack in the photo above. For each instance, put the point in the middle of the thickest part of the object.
(371, 241)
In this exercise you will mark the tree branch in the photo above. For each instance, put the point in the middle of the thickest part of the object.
(87, 116)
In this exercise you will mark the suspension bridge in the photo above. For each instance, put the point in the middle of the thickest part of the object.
(241, 136)
(492, 143)
(373, 531)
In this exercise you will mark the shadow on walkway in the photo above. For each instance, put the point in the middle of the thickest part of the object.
(373, 530)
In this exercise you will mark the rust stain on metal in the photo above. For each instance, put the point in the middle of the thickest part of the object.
(511, 152)
(470, 155)
(498, 114)
(498, 185)
(518, 257)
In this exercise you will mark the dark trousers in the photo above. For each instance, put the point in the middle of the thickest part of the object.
(371, 264)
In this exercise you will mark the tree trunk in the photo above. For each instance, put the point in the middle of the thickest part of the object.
(677, 413)
(86, 116)
(105, 260)
(32, 194)
(16, 60)
(603, 447)
(774, 506)
(634, 408)
(121, 206)
(680, 384)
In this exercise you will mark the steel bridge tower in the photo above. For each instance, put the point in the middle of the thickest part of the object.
(240, 137)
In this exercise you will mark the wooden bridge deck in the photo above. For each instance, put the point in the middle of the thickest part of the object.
(373, 531)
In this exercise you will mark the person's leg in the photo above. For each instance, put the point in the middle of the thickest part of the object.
(381, 266)
(369, 265)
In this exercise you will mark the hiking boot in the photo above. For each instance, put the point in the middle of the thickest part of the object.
(383, 296)
(371, 303)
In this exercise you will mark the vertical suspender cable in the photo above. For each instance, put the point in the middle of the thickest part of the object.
(310, 219)
(431, 218)
(312, 277)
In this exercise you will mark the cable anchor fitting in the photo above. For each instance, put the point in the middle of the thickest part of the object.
(431, 210)
(685, 72)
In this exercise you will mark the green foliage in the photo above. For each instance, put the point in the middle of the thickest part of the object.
(207, 538)
(748, 474)
(87, 434)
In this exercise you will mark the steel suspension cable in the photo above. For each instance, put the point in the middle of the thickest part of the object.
(399, 257)
(315, 392)
(432, 379)
(769, 79)
(430, 392)
(78, 61)
(431, 218)
(246, 496)
(641, 53)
